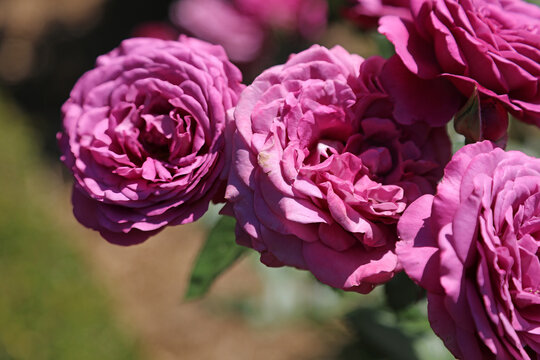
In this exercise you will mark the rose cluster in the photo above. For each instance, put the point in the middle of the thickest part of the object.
(330, 162)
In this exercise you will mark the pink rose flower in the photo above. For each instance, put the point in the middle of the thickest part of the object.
(366, 13)
(474, 247)
(322, 171)
(220, 22)
(143, 136)
(493, 45)
(158, 30)
(243, 26)
(309, 17)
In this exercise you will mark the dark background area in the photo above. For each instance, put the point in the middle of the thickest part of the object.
(63, 51)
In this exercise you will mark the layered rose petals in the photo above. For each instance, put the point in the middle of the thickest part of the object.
(322, 171)
(308, 17)
(243, 27)
(143, 136)
(366, 13)
(490, 45)
(474, 247)
(239, 34)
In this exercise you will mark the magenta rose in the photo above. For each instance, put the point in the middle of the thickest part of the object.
(322, 171)
(243, 27)
(308, 17)
(493, 45)
(155, 29)
(366, 13)
(240, 34)
(144, 136)
(474, 247)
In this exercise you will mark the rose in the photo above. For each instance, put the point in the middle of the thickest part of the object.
(155, 29)
(366, 13)
(491, 45)
(240, 34)
(322, 171)
(242, 27)
(474, 247)
(144, 136)
(306, 16)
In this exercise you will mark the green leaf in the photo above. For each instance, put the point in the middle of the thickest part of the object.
(376, 339)
(218, 253)
(386, 48)
(4, 355)
(336, 9)
(401, 292)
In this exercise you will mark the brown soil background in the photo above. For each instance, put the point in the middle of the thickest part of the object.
(147, 282)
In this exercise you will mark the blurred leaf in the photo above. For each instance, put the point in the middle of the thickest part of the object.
(336, 9)
(380, 334)
(458, 140)
(218, 253)
(386, 48)
(524, 137)
(377, 340)
(413, 319)
(401, 292)
(4, 355)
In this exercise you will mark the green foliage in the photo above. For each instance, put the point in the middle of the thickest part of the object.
(524, 137)
(376, 340)
(401, 292)
(218, 253)
(50, 307)
(336, 9)
(3, 354)
(382, 334)
(386, 48)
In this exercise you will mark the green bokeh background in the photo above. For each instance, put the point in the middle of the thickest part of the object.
(50, 305)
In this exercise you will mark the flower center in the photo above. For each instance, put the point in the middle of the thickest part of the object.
(154, 142)
(164, 131)
(533, 291)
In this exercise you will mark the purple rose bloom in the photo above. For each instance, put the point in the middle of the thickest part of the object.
(322, 171)
(493, 45)
(308, 17)
(243, 27)
(143, 136)
(241, 35)
(155, 29)
(474, 247)
(366, 13)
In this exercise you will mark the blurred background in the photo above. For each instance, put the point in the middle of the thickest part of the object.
(65, 293)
